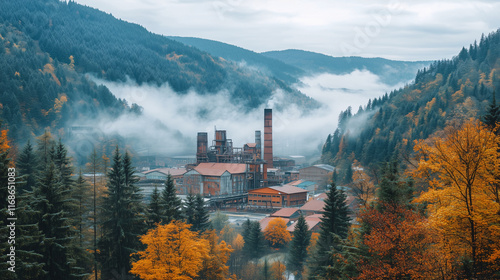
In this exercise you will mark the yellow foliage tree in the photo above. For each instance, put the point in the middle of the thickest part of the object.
(461, 169)
(278, 270)
(173, 252)
(214, 263)
(238, 242)
(276, 232)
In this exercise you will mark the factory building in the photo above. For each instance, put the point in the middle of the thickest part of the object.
(223, 169)
(278, 196)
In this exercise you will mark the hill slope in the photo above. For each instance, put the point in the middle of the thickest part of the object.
(447, 91)
(391, 72)
(114, 50)
(273, 66)
(48, 46)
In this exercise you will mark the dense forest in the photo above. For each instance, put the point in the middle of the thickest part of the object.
(47, 48)
(447, 91)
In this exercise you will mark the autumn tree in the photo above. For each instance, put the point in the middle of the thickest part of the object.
(278, 270)
(276, 233)
(462, 170)
(298, 247)
(362, 186)
(172, 251)
(398, 245)
(214, 263)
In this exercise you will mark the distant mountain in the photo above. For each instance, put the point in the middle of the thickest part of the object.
(269, 66)
(48, 46)
(391, 72)
(447, 91)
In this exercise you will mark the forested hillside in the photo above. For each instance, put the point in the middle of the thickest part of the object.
(391, 72)
(445, 92)
(48, 46)
(37, 91)
(274, 67)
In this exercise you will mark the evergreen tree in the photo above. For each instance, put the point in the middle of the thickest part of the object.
(154, 209)
(26, 167)
(492, 116)
(94, 165)
(122, 221)
(201, 218)
(80, 195)
(63, 164)
(298, 247)
(45, 149)
(190, 209)
(171, 204)
(392, 188)
(53, 207)
(254, 240)
(334, 227)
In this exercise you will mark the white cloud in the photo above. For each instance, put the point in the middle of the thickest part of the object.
(397, 29)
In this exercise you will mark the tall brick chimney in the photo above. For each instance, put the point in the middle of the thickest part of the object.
(268, 137)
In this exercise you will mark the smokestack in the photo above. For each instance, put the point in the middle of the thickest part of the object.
(201, 147)
(268, 137)
(258, 143)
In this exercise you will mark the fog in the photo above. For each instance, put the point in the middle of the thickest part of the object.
(170, 121)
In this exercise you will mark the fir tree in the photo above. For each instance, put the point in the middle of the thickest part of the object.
(154, 209)
(298, 247)
(80, 195)
(254, 240)
(52, 206)
(122, 221)
(334, 226)
(26, 167)
(171, 204)
(201, 221)
(63, 164)
(492, 116)
(93, 167)
(190, 209)
(392, 188)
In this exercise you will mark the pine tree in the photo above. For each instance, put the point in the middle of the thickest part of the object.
(298, 247)
(171, 204)
(80, 194)
(201, 219)
(154, 209)
(392, 188)
(492, 116)
(190, 209)
(334, 226)
(52, 206)
(26, 167)
(122, 221)
(254, 240)
(63, 164)
(94, 165)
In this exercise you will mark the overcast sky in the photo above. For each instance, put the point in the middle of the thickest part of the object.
(395, 29)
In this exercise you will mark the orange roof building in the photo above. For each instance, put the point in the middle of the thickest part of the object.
(277, 197)
(211, 179)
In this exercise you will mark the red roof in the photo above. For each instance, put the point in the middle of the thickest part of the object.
(295, 183)
(311, 222)
(251, 145)
(313, 205)
(285, 212)
(288, 189)
(321, 196)
(217, 169)
(166, 171)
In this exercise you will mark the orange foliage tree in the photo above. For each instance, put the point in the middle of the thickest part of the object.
(173, 252)
(214, 263)
(276, 232)
(462, 170)
(398, 244)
